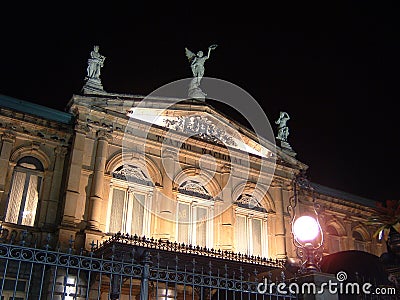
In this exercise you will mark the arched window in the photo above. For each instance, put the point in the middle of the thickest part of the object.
(129, 202)
(24, 194)
(194, 218)
(359, 242)
(251, 227)
(333, 239)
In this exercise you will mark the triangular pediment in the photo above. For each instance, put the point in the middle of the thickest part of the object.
(205, 125)
(192, 118)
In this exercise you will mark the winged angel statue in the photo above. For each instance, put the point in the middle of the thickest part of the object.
(197, 62)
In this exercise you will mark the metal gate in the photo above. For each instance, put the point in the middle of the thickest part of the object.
(131, 268)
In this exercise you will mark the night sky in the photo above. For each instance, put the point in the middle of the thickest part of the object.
(334, 67)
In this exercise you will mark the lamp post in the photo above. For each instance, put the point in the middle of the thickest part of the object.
(307, 234)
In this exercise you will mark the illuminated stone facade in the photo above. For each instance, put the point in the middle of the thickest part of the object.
(85, 173)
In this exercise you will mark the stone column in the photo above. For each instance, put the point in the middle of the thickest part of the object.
(6, 167)
(8, 140)
(70, 219)
(54, 198)
(349, 237)
(96, 192)
(166, 197)
(225, 210)
(280, 231)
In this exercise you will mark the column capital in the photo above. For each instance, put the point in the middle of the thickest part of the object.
(8, 136)
(102, 134)
(82, 128)
(276, 183)
(61, 151)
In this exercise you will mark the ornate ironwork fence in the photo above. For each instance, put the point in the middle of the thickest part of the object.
(130, 268)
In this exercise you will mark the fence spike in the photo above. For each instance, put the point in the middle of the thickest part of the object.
(92, 245)
(283, 277)
(24, 233)
(70, 244)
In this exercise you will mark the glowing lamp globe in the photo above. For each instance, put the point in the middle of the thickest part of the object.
(305, 228)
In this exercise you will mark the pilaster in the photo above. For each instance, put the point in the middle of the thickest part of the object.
(97, 188)
(8, 140)
(280, 230)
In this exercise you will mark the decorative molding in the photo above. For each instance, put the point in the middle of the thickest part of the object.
(193, 188)
(140, 160)
(104, 135)
(61, 151)
(45, 132)
(250, 202)
(8, 136)
(131, 174)
(202, 127)
(82, 128)
(31, 150)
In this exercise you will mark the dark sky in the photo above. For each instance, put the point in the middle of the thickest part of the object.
(333, 66)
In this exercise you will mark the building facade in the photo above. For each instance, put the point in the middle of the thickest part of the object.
(86, 174)
(167, 169)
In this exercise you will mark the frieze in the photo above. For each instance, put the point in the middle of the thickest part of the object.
(109, 126)
(13, 129)
(194, 148)
(202, 127)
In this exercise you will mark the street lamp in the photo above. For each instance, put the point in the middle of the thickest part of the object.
(308, 237)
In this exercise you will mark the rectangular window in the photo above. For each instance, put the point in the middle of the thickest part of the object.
(257, 236)
(137, 214)
(15, 199)
(23, 199)
(127, 213)
(117, 210)
(201, 226)
(31, 201)
(194, 224)
(183, 223)
(241, 235)
(251, 235)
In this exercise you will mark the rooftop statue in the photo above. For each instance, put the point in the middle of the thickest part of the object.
(283, 130)
(197, 65)
(95, 63)
(92, 79)
(197, 62)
